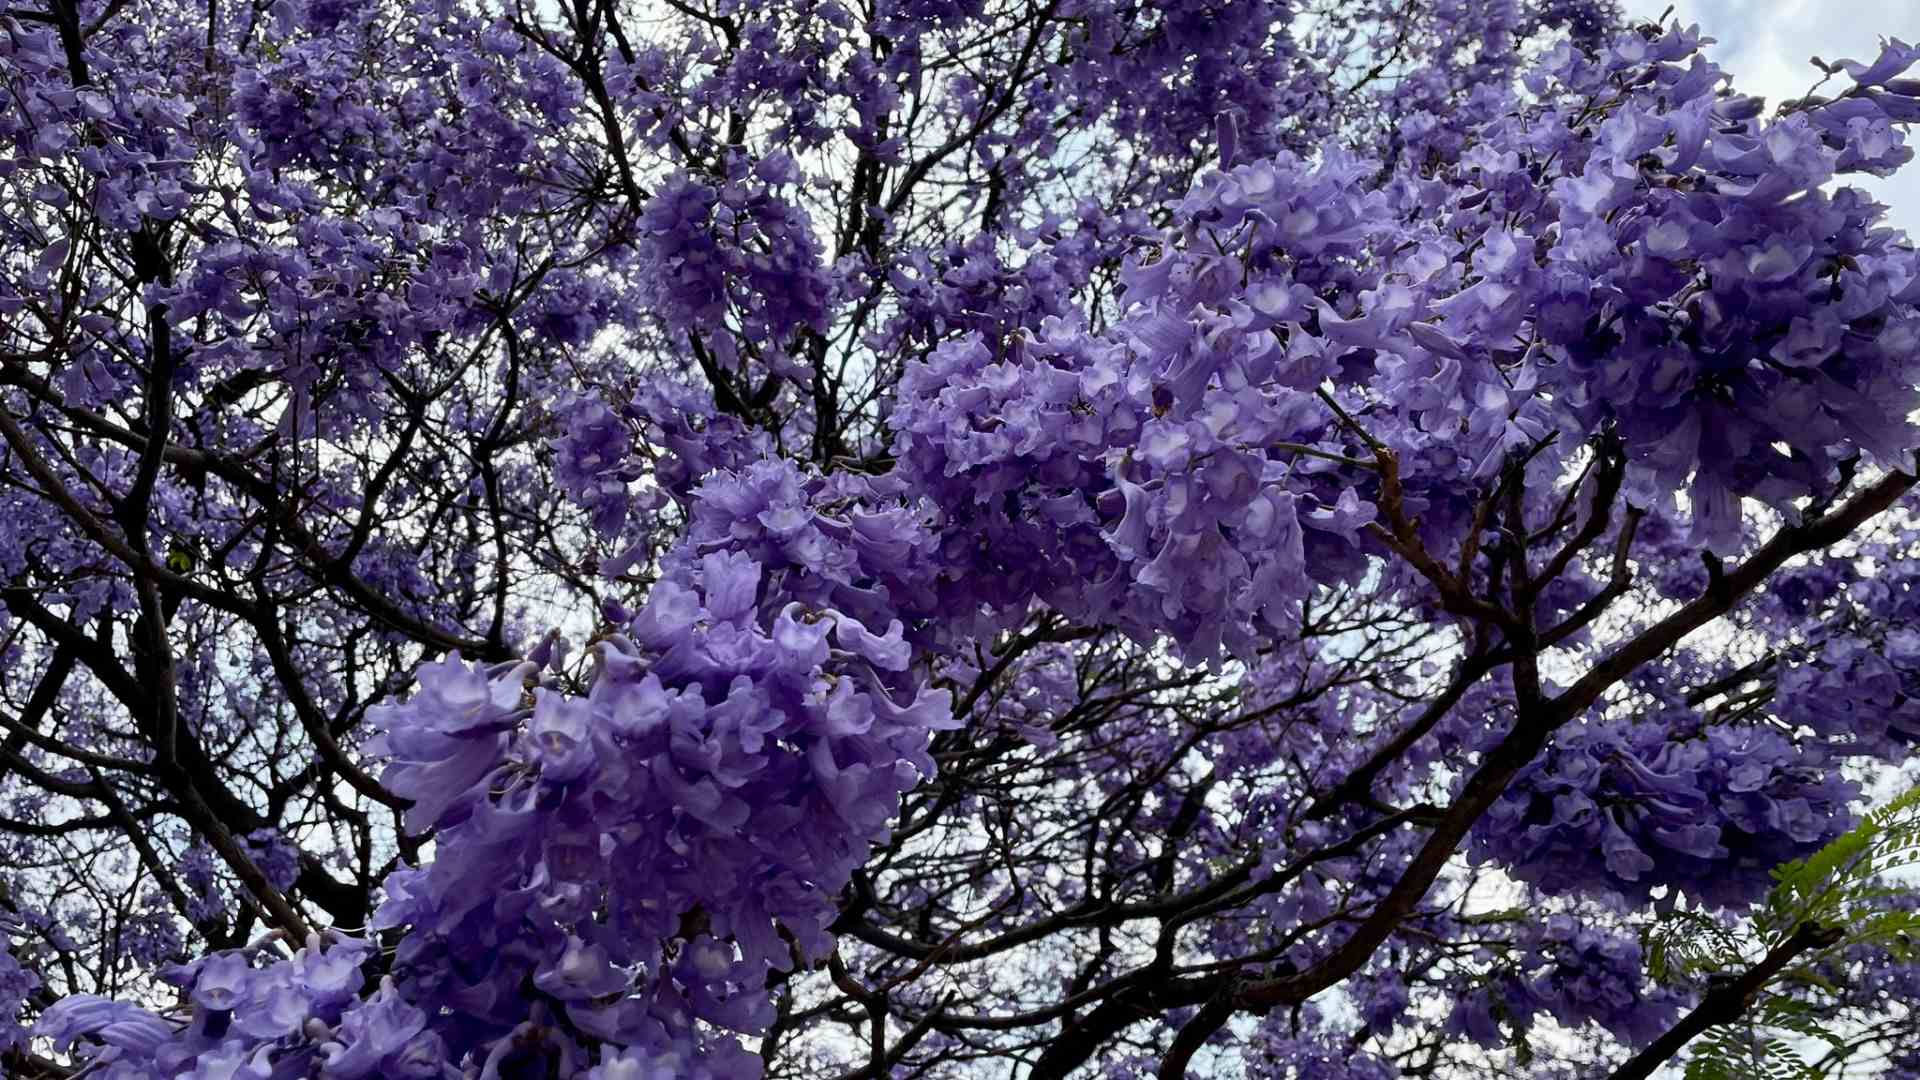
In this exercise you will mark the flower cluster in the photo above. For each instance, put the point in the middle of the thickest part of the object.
(1573, 972)
(1685, 283)
(738, 248)
(1625, 806)
(1147, 478)
(591, 461)
(650, 850)
(694, 438)
(1690, 281)
(254, 1015)
(1855, 678)
(301, 1015)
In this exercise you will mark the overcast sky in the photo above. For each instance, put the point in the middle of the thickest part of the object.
(1765, 44)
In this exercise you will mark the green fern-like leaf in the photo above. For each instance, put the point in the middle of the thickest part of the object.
(1687, 943)
(1851, 886)
(1831, 886)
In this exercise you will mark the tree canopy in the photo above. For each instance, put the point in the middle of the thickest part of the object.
(950, 538)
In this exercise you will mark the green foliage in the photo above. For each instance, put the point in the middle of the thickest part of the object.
(1853, 887)
(1846, 884)
(181, 557)
(1730, 1053)
(1688, 944)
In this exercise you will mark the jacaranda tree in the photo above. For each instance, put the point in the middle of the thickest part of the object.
(628, 539)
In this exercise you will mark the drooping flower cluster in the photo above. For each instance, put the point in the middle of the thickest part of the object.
(1688, 281)
(1141, 479)
(1855, 681)
(290, 1016)
(737, 249)
(255, 1015)
(695, 438)
(978, 286)
(652, 849)
(592, 462)
(1573, 972)
(1626, 806)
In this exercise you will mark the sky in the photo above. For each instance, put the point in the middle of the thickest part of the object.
(1765, 45)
